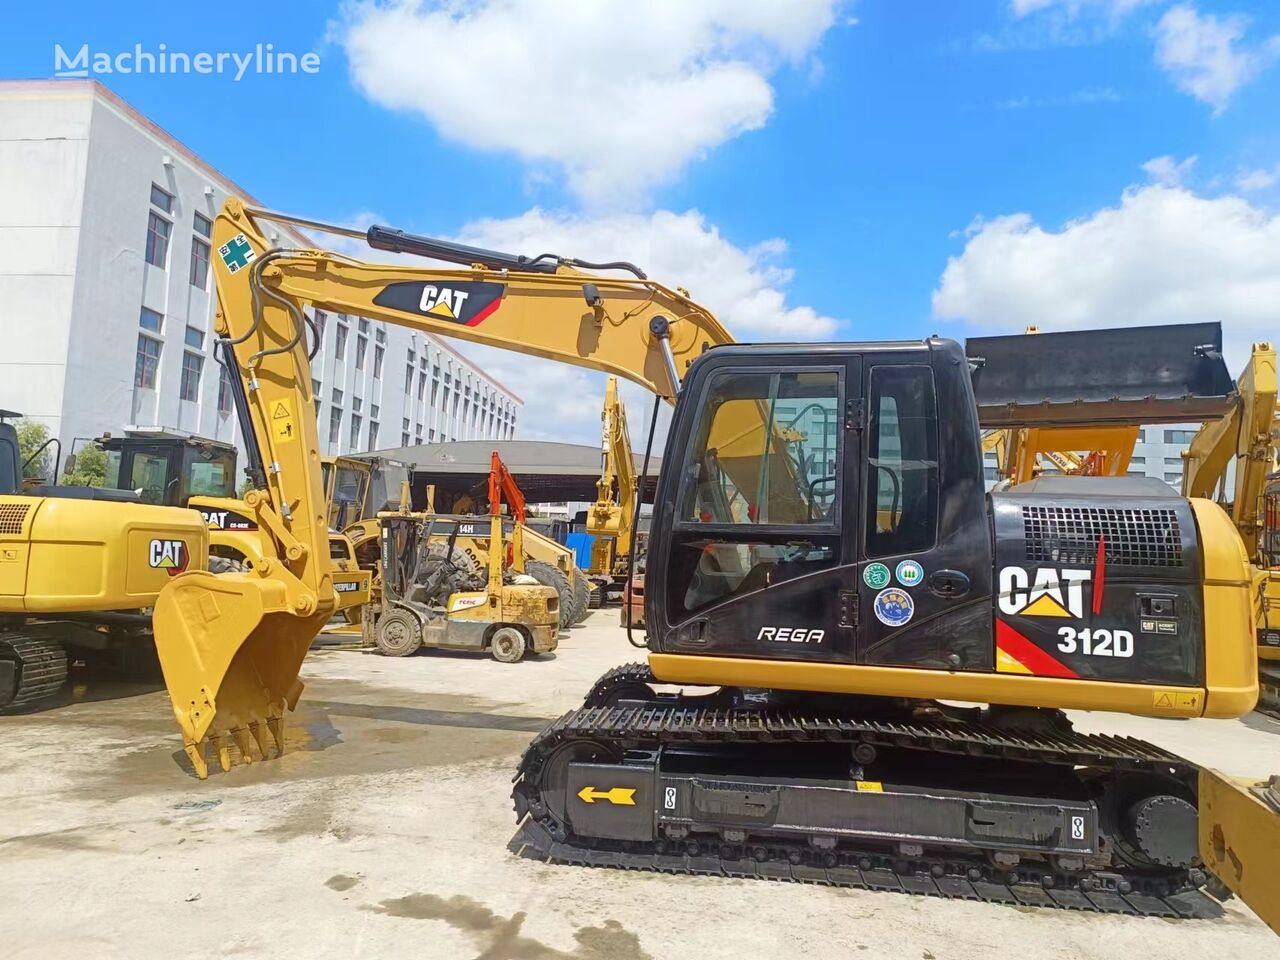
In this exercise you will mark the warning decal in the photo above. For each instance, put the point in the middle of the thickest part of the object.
(282, 425)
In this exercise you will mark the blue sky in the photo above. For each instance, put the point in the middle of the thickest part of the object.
(876, 140)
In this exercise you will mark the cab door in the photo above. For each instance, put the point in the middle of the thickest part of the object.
(924, 573)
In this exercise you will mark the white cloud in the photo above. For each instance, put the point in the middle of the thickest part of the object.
(1073, 8)
(1164, 255)
(744, 287)
(619, 95)
(1168, 171)
(1203, 54)
(1249, 181)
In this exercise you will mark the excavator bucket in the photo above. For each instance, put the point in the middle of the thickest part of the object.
(231, 647)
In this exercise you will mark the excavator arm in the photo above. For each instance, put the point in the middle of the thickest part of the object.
(611, 518)
(232, 645)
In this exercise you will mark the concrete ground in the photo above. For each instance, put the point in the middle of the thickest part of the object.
(383, 832)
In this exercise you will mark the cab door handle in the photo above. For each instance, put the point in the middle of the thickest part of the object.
(948, 584)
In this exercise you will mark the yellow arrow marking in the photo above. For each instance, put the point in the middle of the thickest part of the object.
(623, 796)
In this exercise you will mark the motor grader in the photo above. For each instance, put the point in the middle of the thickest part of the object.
(825, 570)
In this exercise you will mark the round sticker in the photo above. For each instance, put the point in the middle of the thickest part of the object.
(894, 607)
(875, 575)
(910, 573)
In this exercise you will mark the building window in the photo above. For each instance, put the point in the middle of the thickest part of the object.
(158, 230)
(408, 379)
(321, 317)
(374, 410)
(356, 420)
(1137, 461)
(337, 397)
(340, 347)
(1178, 436)
(162, 199)
(380, 335)
(356, 404)
(203, 225)
(364, 325)
(362, 346)
(422, 386)
(432, 436)
(194, 338)
(378, 351)
(150, 320)
(1142, 436)
(189, 388)
(199, 264)
(224, 390)
(404, 439)
(1175, 478)
(335, 424)
(146, 362)
(373, 435)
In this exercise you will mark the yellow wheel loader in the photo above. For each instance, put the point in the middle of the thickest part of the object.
(825, 564)
(79, 569)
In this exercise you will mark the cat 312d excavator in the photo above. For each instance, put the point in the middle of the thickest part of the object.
(824, 559)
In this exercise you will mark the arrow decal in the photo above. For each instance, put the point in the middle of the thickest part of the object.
(623, 796)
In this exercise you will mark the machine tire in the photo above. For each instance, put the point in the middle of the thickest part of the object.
(226, 565)
(581, 595)
(398, 634)
(508, 645)
(595, 598)
(552, 576)
(462, 561)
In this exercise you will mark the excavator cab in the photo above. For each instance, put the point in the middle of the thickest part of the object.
(821, 507)
(169, 469)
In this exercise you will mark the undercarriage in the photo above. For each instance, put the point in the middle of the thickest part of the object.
(1006, 807)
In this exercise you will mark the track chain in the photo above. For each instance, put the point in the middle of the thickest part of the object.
(42, 667)
(959, 875)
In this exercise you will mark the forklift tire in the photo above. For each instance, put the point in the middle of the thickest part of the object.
(397, 634)
(552, 576)
(595, 599)
(581, 595)
(508, 645)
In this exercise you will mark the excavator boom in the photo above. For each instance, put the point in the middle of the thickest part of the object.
(231, 645)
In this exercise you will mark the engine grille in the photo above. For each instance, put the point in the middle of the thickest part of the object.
(11, 517)
(1134, 537)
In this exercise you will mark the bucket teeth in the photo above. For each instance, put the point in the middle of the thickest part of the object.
(241, 737)
(223, 750)
(276, 725)
(195, 753)
(259, 731)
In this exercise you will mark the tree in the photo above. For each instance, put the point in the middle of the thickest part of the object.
(90, 468)
(31, 436)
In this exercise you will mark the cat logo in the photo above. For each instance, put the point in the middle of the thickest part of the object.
(442, 301)
(170, 556)
(463, 302)
(1051, 593)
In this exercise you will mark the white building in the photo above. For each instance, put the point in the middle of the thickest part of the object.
(106, 298)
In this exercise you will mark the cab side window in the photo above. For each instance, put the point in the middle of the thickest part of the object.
(902, 461)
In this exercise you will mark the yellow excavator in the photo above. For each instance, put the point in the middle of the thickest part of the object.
(612, 519)
(823, 561)
(79, 567)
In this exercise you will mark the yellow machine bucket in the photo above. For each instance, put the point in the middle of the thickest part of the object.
(231, 646)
